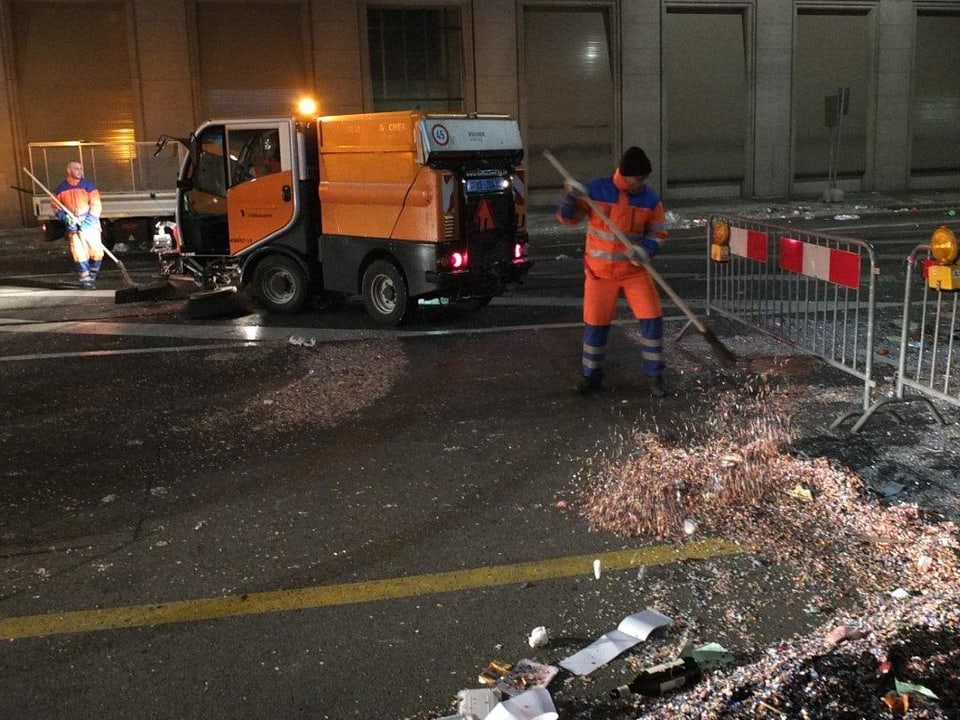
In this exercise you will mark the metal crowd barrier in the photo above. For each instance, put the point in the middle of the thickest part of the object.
(813, 291)
(927, 342)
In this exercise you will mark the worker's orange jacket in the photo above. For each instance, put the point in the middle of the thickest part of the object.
(640, 217)
(80, 197)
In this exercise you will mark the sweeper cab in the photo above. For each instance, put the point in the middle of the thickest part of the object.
(396, 207)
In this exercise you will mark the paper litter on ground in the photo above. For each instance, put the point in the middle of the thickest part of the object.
(533, 704)
(632, 629)
(524, 675)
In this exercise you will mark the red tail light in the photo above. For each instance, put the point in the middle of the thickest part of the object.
(458, 260)
(518, 251)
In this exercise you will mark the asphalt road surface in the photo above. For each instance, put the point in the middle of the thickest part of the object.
(311, 516)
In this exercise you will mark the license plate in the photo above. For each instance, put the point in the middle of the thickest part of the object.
(484, 185)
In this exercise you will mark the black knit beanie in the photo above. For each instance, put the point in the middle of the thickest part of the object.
(634, 163)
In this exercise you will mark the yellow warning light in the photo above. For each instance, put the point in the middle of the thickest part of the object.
(943, 245)
(943, 277)
(307, 107)
(719, 253)
(721, 231)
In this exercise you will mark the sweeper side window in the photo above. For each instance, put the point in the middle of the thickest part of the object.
(208, 176)
(253, 153)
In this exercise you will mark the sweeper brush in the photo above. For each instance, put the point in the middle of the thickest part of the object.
(157, 290)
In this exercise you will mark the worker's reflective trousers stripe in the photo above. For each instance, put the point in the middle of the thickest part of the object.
(87, 250)
(651, 347)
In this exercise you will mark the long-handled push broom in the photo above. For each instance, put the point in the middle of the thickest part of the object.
(127, 280)
(722, 352)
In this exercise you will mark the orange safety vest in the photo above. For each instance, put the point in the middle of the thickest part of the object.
(640, 217)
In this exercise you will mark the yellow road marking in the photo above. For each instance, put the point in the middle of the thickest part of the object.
(327, 595)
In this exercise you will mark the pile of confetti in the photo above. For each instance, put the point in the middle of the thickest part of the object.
(733, 475)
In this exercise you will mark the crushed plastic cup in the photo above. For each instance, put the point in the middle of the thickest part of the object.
(301, 341)
(539, 637)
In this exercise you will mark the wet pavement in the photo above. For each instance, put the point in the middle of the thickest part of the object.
(184, 467)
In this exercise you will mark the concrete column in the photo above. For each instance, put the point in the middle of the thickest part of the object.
(495, 45)
(163, 57)
(338, 29)
(895, 48)
(640, 82)
(771, 146)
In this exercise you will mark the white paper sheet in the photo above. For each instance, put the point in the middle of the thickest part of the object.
(632, 629)
(533, 704)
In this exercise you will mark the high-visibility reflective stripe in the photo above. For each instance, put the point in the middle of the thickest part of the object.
(607, 235)
(615, 257)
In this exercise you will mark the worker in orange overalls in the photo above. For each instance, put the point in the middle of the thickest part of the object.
(80, 197)
(611, 269)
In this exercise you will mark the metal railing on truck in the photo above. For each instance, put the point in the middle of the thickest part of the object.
(813, 291)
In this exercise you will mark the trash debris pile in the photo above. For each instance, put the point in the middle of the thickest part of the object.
(321, 383)
(896, 570)
(519, 691)
(653, 486)
(876, 583)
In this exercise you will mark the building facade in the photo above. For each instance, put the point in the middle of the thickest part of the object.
(749, 98)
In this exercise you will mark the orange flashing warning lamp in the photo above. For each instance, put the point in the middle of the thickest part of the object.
(720, 245)
(944, 274)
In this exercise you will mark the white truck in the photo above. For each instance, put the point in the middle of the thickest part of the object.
(138, 187)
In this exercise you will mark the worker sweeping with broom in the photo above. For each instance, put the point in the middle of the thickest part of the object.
(78, 207)
(611, 268)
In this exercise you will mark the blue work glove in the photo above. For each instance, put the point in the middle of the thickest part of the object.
(647, 245)
(638, 254)
(89, 222)
(68, 220)
(570, 208)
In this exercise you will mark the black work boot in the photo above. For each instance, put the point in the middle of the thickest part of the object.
(590, 384)
(657, 388)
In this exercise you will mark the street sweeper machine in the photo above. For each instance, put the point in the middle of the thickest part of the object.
(394, 206)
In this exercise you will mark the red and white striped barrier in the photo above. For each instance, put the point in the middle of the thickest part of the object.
(812, 290)
(750, 244)
(840, 267)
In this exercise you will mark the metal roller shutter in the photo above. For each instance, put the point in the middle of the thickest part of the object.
(252, 60)
(568, 81)
(72, 67)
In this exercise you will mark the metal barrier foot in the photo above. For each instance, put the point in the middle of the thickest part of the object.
(882, 404)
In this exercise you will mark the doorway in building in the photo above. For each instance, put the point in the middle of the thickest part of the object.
(568, 77)
(935, 104)
(831, 100)
(705, 70)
